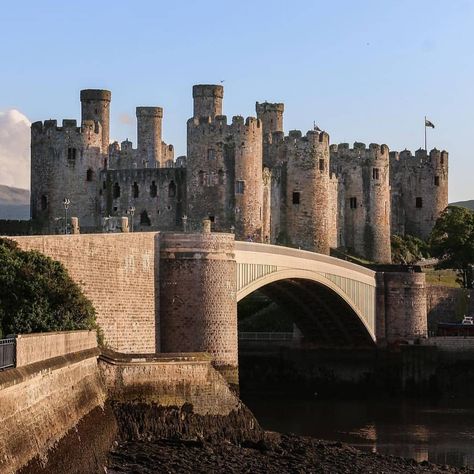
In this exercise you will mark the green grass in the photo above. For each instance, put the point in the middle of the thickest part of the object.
(442, 278)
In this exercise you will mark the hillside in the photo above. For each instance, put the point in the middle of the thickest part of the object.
(468, 204)
(14, 203)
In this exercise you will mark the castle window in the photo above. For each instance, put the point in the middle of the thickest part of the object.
(442, 159)
(104, 185)
(296, 197)
(436, 180)
(419, 202)
(71, 154)
(211, 154)
(239, 187)
(44, 202)
(89, 175)
(201, 178)
(375, 173)
(144, 219)
(212, 219)
(353, 203)
(221, 177)
(321, 165)
(172, 190)
(116, 191)
(135, 190)
(153, 190)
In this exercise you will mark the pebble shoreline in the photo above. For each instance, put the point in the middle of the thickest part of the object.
(276, 454)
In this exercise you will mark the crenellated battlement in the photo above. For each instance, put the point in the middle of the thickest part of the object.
(50, 127)
(314, 138)
(420, 159)
(360, 151)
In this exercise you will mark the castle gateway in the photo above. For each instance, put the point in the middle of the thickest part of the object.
(245, 175)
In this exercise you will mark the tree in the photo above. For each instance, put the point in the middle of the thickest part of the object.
(452, 241)
(38, 295)
(408, 249)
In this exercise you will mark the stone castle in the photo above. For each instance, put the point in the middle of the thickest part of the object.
(246, 177)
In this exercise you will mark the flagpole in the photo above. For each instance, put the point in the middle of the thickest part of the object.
(425, 134)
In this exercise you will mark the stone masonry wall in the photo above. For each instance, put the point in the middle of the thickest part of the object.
(40, 403)
(117, 272)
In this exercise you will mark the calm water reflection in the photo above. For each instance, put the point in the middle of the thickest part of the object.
(440, 432)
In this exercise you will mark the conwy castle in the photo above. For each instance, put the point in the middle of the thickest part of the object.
(246, 177)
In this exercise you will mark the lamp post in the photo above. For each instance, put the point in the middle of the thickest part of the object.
(66, 204)
(131, 211)
(185, 222)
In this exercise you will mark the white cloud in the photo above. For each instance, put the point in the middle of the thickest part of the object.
(14, 149)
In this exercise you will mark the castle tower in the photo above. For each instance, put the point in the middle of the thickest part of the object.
(377, 230)
(95, 105)
(364, 199)
(271, 116)
(248, 178)
(207, 100)
(149, 123)
(307, 191)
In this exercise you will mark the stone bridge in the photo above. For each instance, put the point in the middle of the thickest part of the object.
(179, 292)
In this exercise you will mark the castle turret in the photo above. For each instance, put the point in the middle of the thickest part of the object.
(95, 104)
(271, 116)
(207, 100)
(248, 178)
(149, 122)
(307, 193)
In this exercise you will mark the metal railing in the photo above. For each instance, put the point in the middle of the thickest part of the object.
(7, 353)
(265, 336)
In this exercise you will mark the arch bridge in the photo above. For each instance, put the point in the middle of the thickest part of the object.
(333, 301)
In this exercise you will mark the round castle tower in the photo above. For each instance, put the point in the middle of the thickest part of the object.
(365, 198)
(95, 104)
(149, 125)
(307, 190)
(207, 100)
(422, 182)
(224, 167)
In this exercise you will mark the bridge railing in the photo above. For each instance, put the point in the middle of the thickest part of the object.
(7, 353)
(265, 336)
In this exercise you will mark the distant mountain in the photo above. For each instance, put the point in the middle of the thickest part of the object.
(14, 203)
(468, 204)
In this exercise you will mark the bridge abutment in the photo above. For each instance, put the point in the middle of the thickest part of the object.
(198, 302)
(401, 306)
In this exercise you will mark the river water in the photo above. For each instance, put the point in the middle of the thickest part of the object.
(441, 432)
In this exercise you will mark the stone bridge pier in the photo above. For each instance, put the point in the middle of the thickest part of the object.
(198, 303)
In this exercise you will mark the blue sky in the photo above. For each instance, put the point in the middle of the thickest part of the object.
(363, 70)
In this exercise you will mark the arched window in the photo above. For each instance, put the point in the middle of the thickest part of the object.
(172, 189)
(89, 175)
(135, 190)
(116, 192)
(44, 202)
(153, 190)
(201, 178)
(144, 218)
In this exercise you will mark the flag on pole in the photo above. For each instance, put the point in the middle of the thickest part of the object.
(429, 124)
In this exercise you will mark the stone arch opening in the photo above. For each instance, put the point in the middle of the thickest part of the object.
(172, 189)
(301, 312)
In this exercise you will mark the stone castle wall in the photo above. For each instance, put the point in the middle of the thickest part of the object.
(117, 273)
(315, 198)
